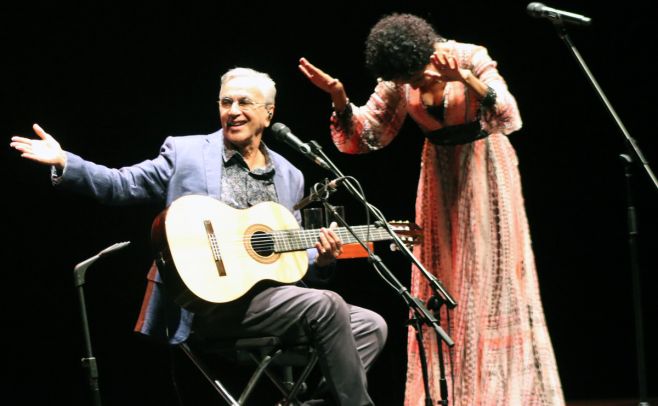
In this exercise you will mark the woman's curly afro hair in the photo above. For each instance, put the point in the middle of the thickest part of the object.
(399, 46)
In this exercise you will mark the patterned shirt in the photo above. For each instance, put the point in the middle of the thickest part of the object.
(242, 188)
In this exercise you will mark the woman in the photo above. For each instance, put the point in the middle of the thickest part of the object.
(469, 204)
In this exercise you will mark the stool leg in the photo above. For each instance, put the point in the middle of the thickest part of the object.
(214, 382)
(288, 378)
(262, 365)
(301, 380)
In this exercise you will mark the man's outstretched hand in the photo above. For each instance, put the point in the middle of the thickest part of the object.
(45, 150)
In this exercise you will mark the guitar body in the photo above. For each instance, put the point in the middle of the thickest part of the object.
(207, 250)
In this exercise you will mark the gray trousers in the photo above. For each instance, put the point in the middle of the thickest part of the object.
(347, 338)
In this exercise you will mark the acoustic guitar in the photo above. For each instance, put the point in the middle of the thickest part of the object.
(208, 250)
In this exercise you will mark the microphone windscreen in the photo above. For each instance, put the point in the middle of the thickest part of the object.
(279, 130)
(535, 9)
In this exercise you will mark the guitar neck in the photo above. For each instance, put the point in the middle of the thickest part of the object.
(297, 240)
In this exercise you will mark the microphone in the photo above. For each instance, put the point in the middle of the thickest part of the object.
(318, 191)
(539, 10)
(281, 132)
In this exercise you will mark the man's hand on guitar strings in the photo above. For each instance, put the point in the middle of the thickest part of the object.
(329, 246)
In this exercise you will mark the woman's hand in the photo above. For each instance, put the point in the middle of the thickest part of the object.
(319, 78)
(447, 68)
(325, 82)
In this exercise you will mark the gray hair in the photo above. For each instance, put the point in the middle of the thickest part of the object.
(260, 79)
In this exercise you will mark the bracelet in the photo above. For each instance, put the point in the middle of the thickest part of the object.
(489, 99)
(347, 111)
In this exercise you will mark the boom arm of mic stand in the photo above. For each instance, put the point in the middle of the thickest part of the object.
(414, 303)
(81, 269)
(419, 308)
(437, 286)
(434, 282)
(562, 32)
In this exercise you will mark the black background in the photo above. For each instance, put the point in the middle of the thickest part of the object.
(111, 81)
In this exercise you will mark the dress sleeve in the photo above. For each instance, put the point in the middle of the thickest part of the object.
(370, 127)
(500, 114)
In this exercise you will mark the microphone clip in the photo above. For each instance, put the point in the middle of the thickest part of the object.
(319, 191)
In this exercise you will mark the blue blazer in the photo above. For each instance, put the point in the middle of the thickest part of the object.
(186, 165)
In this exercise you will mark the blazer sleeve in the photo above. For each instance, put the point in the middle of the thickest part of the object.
(144, 182)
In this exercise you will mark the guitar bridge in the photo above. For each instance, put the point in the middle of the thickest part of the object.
(214, 247)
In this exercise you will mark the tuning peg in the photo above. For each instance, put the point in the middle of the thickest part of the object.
(408, 242)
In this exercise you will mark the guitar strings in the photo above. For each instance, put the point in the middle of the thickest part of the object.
(267, 242)
(294, 239)
(303, 235)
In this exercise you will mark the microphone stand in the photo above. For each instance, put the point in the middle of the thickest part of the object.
(632, 225)
(435, 303)
(89, 361)
(635, 275)
(421, 313)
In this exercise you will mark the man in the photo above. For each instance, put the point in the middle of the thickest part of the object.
(234, 166)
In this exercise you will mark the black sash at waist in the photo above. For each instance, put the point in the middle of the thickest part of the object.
(457, 134)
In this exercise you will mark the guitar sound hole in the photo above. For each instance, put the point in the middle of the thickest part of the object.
(262, 243)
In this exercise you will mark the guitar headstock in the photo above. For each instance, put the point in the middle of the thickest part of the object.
(410, 233)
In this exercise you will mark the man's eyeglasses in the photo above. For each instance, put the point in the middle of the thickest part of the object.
(244, 104)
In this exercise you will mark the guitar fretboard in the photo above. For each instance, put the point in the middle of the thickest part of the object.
(297, 240)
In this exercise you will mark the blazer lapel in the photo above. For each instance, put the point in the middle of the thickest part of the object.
(281, 184)
(213, 163)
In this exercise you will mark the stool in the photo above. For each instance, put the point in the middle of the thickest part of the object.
(274, 357)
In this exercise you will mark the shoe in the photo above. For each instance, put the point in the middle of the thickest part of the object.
(311, 402)
(283, 402)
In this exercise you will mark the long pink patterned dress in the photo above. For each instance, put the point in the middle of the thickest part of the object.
(476, 241)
